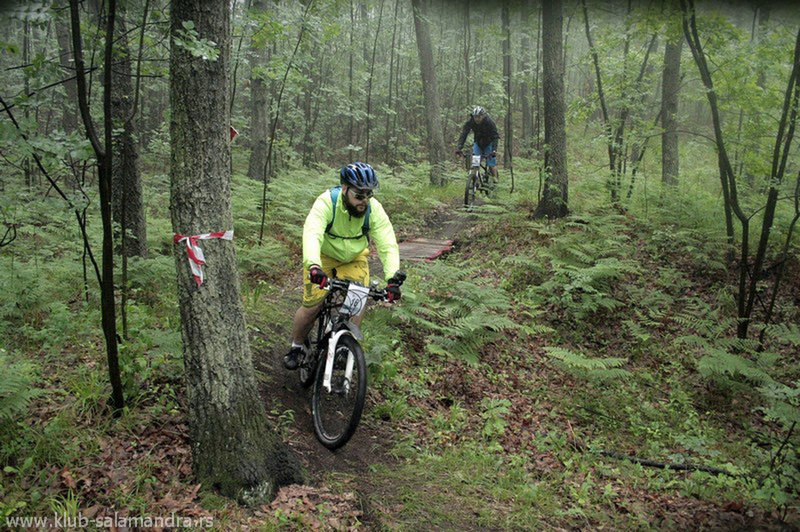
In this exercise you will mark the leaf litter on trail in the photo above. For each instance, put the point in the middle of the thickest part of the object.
(316, 508)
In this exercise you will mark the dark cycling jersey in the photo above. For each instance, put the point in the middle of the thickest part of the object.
(485, 133)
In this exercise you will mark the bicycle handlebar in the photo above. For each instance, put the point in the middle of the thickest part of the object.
(339, 284)
(342, 285)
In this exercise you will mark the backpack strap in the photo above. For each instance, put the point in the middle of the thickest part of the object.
(364, 227)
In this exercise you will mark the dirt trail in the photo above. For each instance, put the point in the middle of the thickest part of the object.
(373, 438)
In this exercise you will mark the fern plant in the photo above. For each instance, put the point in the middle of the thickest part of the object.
(16, 388)
(590, 368)
(586, 266)
(457, 311)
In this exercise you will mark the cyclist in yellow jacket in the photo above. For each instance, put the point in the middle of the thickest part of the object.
(336, 234)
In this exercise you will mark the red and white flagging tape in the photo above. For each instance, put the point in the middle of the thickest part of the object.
(195, 252)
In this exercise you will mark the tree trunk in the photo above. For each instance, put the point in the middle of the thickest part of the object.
(536, 84)
(726, 175)
(670, 86)
(554, 199)
(392, 70)
(258, 101)
(104, 165)
(234, 448)
(350, 128)
(69, 118)
(433, 119)
(524, 88)
(127, 204)
(369, 83)
(467, 58)
(26, 57)
(509, 134)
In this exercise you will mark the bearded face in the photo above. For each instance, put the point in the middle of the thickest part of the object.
(356, 207)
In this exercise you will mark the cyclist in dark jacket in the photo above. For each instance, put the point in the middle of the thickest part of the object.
(485, 138)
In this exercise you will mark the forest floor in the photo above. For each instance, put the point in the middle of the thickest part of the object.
(372, 483)
(443, 443)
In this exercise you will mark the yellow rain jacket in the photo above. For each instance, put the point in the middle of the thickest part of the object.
(318, 242)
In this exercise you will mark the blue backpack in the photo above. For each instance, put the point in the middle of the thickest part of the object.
(364, 227)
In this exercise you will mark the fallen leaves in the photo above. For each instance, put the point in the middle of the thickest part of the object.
(313, 508)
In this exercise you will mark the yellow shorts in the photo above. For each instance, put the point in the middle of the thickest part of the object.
(357, 270)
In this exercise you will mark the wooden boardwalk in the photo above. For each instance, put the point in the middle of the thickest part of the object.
(423, 249)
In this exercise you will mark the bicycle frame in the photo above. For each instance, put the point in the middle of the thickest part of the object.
(480, 166)
(355, 301)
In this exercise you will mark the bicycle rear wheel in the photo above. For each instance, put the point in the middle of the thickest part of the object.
(337, 412)
(308, 366)
(472, 186)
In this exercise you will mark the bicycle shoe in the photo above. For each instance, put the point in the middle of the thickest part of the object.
(291, 360)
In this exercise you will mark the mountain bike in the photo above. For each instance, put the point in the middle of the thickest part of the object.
(477, 180)
(335, 363)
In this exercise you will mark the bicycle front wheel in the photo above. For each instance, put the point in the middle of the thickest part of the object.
(337, 411)
(469, 192)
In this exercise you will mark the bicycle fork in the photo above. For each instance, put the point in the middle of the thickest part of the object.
(348, 372)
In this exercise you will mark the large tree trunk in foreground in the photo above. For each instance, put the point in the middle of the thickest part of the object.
(433, 119)
(554, 197)
(670, 86)
(233, 447)
(126, 187)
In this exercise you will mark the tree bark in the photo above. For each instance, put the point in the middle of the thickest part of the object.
(392, 74)
(726, 174)
(554, 200)
(259, 128)
(433, 120)
(234, 449)
(369, 83)
(524, 88)
(536, 85)
(670, 87)
(127, 203)
(69, 118)
(509, 133)
(467, 57)
(104, 165)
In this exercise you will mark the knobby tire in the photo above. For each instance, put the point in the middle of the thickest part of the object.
(334, 424)
(472, 187)
(308, 366)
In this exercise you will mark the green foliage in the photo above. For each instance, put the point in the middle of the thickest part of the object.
(460, 312)
(494, 421)
(585, 268)
(189, 39)
(16, 388)
(597, 369)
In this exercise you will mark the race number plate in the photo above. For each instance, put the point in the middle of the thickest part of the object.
(355, 300)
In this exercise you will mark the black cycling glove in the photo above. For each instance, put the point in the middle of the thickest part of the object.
(317, 276)
(393, 286)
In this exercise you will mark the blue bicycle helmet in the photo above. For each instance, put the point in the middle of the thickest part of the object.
(359, 175)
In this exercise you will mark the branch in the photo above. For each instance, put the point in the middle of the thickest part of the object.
(139, 65)
(580, 446)
(55, 186)
(83, 104)
(5, 240)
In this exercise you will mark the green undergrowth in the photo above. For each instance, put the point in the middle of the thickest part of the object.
(605, 331)
(615, 331)
(54, 395)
